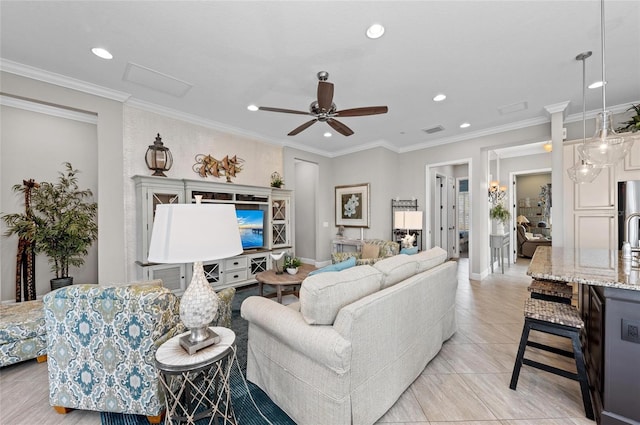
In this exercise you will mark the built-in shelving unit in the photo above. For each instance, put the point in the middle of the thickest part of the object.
(276, 205)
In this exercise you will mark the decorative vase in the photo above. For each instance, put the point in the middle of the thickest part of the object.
(500, 228)
(61, 282)
(292, 270)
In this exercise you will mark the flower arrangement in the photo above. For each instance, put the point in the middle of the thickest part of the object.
(292, 263)
(276, 180)
(499, 213)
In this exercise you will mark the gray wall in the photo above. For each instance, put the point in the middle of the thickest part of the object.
(34, 146)
(306, 178)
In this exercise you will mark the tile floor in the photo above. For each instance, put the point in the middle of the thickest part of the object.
(466, 384)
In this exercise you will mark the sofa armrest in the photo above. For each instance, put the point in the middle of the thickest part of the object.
(287, 326)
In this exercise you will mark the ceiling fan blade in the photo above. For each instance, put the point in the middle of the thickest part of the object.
(339, 127)
(325, 95)
(302, 127)
(356, 112)
(286, 111)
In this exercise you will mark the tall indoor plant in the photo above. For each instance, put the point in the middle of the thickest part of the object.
(63, 224)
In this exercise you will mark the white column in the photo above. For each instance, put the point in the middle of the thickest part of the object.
(557, 177)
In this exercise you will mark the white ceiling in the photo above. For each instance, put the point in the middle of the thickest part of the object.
(483, 55)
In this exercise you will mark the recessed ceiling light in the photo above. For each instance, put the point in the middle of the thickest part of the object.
(465, 125)
(595, 85)
(102, 53)
(252, 108)
(375, 31)
(439, 97)
(327, 134)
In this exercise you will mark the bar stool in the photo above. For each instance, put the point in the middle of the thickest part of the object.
(549, 290)
(556, 319)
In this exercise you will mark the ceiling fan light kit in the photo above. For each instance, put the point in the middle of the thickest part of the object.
(324, 110)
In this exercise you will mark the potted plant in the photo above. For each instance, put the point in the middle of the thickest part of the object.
(62, 225)
(499, 213)
(633, 124)
(291, 264)
(276, 180)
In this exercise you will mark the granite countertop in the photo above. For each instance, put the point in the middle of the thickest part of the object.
(598, 267)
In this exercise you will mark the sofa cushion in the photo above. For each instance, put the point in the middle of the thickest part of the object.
(323, 295)
(430, 258)
(395, 269)
(370, 251)
(350, 262)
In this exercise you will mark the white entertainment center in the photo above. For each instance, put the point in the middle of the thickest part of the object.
(277, 230)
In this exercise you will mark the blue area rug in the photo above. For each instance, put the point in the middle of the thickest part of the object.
(246, 412)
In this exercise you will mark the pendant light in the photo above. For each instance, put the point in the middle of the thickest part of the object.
(583, 171)
(606, 147)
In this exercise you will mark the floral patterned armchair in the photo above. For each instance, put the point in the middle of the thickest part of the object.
(101, 344)
(385, 249)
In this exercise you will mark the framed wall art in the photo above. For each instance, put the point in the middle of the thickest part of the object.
(352, 205)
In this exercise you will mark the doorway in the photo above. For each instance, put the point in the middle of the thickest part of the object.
(306, 176)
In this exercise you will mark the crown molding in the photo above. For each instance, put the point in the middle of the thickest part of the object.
(41, 108)
(61, 80)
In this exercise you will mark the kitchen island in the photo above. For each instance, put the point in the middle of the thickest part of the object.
(609, 298)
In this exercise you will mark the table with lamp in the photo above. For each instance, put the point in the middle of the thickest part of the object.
(195, 367)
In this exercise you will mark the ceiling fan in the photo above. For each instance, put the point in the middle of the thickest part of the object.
(324, 110)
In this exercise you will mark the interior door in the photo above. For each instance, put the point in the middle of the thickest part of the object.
(437, 212)
(451, 217)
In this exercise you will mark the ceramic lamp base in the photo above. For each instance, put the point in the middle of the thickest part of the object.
(192, 347)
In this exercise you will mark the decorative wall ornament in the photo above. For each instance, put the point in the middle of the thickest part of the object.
(207, 165)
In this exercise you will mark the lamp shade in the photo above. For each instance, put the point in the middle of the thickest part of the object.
(398, 220)
(522, 219)
(413, 220)
(185, 233)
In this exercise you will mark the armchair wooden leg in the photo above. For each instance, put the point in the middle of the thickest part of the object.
(62, 410)
(155, 419)
(42, 358)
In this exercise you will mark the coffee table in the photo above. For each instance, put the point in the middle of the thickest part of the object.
(284, 283)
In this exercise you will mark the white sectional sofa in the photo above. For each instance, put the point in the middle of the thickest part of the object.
(356, 340)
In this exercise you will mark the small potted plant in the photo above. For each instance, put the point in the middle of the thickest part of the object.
(501, 215)
(62, 224)
(291, 264)
(276, 180)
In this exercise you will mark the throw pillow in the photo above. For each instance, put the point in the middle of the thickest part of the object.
(370, 251)
(350, 262)
(322, 296)
(409, 251)
(430, 258)
(396, 268)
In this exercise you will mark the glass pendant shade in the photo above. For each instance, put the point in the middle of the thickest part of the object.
(606, 147)
(583, 172)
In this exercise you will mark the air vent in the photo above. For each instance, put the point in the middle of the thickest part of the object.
(433, 129)
(514, 107)
(155, 80)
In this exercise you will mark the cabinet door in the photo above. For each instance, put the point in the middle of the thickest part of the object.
(280, 221)
(594, 230)
(598, 194)
(152, 198)
(172, 275)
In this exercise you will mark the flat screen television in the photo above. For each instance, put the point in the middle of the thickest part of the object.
(251, 224)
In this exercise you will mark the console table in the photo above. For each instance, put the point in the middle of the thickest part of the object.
(497, 243)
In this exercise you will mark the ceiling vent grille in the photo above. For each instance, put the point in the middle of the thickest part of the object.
(433, 129)
(155, 80)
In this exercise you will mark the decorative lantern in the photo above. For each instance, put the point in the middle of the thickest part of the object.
(158, 157)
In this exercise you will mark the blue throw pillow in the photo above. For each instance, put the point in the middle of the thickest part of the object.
(350, 262)
(409, 251)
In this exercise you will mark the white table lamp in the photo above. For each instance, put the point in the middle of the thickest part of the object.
(185, 233)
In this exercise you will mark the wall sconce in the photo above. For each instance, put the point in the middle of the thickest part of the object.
(158, 157)
(496, 192)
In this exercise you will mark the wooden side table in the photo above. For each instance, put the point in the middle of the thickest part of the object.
(198, 386)
(284, 283)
